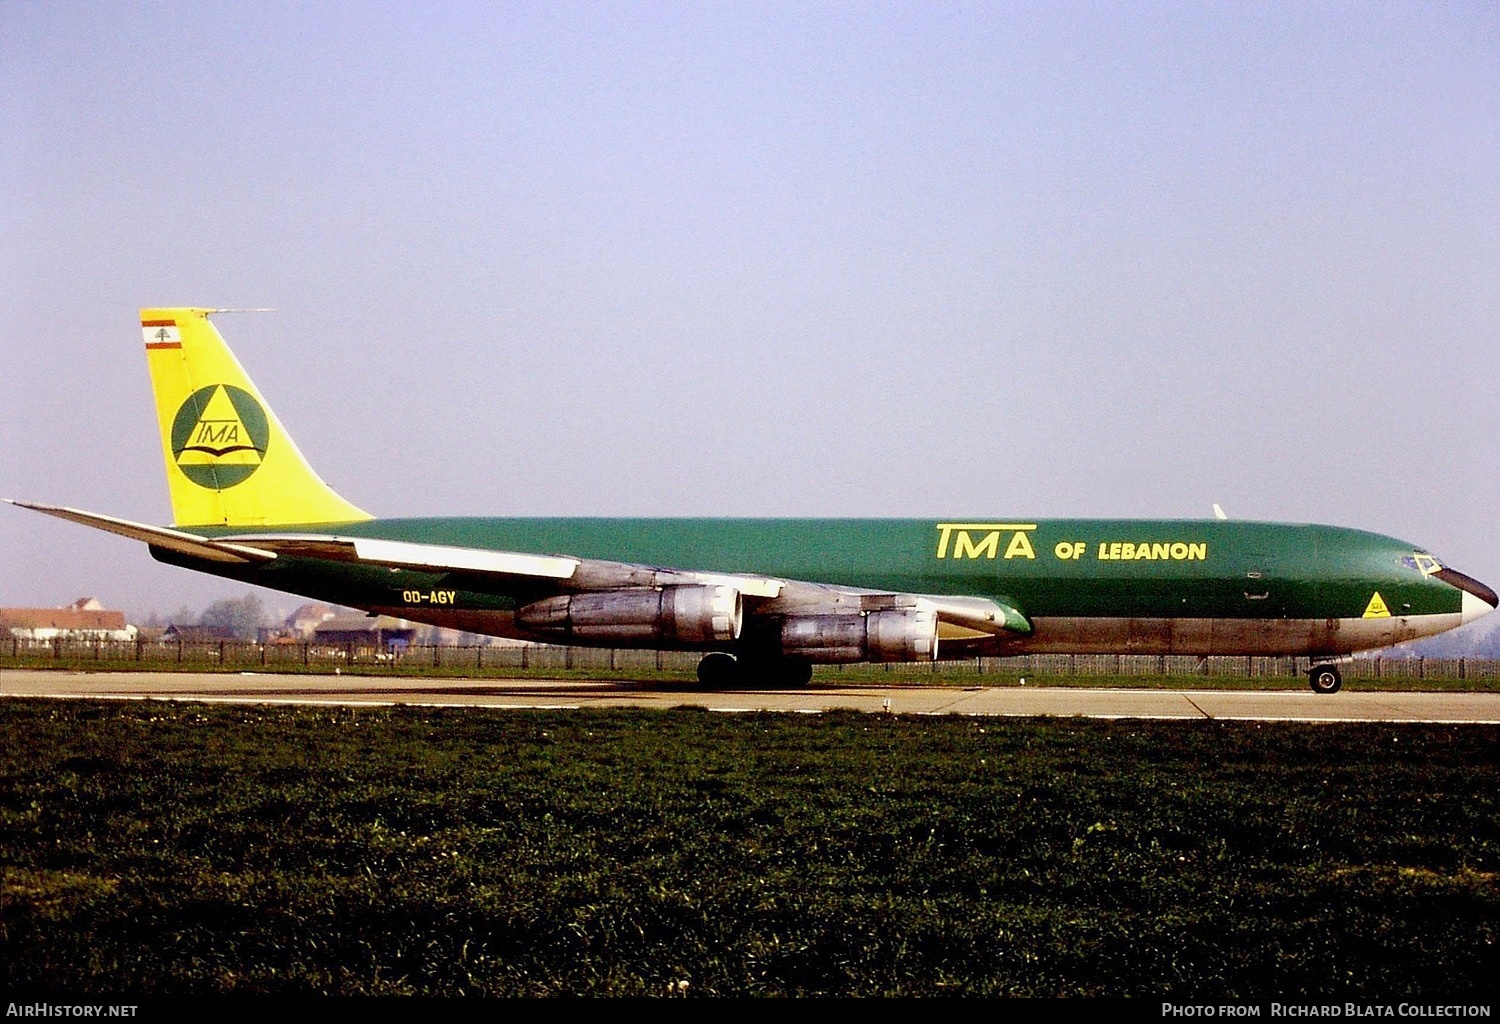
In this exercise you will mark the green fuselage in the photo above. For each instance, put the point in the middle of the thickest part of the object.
(1153, 586)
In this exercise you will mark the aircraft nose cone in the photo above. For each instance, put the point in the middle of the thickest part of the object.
(1473, 607)
(1478, 598)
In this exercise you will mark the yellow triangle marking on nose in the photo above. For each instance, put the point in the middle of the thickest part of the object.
(1376, 609)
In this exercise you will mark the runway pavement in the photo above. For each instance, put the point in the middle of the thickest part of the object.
(1288, 705)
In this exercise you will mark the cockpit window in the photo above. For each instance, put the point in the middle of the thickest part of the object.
(1422, 562)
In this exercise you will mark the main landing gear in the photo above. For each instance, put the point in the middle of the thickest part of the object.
(720, 671)
(1325, 679)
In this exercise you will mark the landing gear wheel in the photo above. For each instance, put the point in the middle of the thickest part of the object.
(1325, 679)
(718, 671)
(792, 674)
(774, 673)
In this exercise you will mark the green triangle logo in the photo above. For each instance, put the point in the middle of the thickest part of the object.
(219, 436)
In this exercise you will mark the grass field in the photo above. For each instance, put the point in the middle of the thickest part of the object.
(173, 849)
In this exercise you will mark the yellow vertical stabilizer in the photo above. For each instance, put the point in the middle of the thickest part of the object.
(229, 461)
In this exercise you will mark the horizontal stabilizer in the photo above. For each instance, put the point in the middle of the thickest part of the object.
(157, 536)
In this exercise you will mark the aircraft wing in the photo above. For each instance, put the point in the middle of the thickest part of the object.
(422, 557)
(962, 616)
(979, 615)
(971, 616)
(570, 573)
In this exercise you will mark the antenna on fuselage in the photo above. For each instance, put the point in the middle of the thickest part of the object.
(1219, 512)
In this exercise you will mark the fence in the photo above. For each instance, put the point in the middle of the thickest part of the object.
(541, 658)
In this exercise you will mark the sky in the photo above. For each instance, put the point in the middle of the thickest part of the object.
(990, 260)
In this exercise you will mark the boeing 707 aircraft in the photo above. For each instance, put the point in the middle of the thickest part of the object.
(766, 599)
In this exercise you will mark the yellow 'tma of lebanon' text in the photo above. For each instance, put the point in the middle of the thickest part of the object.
(1176, 551)
(962, 536)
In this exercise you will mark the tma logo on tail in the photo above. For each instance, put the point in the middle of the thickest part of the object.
(219, 436)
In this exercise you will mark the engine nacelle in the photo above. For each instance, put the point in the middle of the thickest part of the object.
(897, 634)
(690, 616)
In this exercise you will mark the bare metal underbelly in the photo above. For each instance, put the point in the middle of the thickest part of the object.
(1224, 636)
(487, 623)
(1078, 635)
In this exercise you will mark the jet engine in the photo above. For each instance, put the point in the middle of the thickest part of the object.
(688, 615)
(897, 634)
